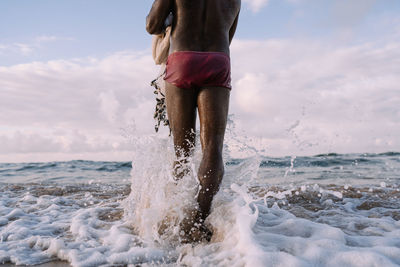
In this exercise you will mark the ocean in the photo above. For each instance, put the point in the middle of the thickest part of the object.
(322, 210)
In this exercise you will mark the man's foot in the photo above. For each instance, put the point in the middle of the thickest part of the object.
(164, 225)
(197, 234)
(181, 169)
(193, 229)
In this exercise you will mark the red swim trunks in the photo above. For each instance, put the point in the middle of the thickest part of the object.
(192, 69)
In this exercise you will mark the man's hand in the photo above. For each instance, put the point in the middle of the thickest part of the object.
(157, 16)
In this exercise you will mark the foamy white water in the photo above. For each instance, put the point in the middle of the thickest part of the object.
(330, 210)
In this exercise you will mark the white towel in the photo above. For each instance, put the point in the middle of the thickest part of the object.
(161, 43)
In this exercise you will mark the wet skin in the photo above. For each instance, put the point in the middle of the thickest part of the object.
(208, 26)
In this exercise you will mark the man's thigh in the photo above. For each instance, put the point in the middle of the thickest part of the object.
(181, 109)
(213, 104)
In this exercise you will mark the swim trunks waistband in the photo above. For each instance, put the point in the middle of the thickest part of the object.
(196, 69)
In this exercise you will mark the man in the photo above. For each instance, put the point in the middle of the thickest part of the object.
(198, 75)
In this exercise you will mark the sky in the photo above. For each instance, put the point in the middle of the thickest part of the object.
(309, 77)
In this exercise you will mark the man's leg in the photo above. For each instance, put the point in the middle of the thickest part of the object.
(213, 104)
(181, 109)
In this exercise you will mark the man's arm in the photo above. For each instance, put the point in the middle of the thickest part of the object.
(157, 15)
(233, 28)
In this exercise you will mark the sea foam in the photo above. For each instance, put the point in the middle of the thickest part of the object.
(319, 213)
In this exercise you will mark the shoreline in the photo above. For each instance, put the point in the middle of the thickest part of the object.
(55, 263)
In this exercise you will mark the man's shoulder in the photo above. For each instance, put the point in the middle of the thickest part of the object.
(200, 3)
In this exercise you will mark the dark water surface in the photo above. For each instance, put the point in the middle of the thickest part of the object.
(323, 210)
(351, 168)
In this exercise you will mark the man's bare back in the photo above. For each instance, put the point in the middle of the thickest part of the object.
(200, 29)
(200, 25)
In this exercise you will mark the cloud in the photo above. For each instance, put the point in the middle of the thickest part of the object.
(291, 96)
(19, 48)
(340, 99)
(24, 49)
(22, 143)
(34, 92)
(51, 38)
(109, 105)
(256, 5)
(348, 13)
(76, 105)
(28, 48)
(250, 100)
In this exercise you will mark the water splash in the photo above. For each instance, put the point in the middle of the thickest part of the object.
(328, 212)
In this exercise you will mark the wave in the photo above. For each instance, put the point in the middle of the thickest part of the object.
(320, 160)
(91, 225)
(319, 167)
(287, 211)
(66, 172)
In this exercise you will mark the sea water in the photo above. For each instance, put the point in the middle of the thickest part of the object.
(323, 210)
